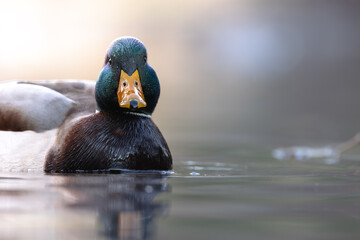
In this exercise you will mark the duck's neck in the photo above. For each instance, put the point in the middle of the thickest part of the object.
(133, 114)
(138, 114)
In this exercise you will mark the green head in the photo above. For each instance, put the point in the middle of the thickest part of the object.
(127, 83)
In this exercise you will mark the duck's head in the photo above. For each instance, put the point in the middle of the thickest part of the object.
(127, 83)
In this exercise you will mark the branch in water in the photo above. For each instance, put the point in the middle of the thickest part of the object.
(331, 154)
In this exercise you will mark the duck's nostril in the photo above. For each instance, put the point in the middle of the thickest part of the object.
(133, 103)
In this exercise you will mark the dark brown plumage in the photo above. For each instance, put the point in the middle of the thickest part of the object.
(104, 141)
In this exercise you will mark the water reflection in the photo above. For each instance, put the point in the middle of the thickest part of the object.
(124, 204)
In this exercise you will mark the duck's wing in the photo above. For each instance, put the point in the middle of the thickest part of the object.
(43, 105)
(82, 92)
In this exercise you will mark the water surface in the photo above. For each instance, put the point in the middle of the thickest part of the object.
(217, 191)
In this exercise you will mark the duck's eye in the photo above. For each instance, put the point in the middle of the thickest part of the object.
(145, 58)
(124, 84)
(110, 62)
(136, 83)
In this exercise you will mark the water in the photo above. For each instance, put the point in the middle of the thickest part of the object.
(221, 191)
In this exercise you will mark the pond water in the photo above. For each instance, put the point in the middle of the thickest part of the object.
(217, 191)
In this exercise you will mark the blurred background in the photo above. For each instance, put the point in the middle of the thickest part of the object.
(229, 69)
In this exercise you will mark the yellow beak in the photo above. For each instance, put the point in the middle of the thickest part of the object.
(130, 93)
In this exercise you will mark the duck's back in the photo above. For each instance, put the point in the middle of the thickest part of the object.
(30, 114)
(43, 105)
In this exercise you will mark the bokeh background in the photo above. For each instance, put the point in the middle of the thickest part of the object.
(229, 69)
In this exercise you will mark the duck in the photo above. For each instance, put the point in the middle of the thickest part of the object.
(92, 126)
(31, 114)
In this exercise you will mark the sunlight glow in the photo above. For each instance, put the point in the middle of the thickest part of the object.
(22, 35)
